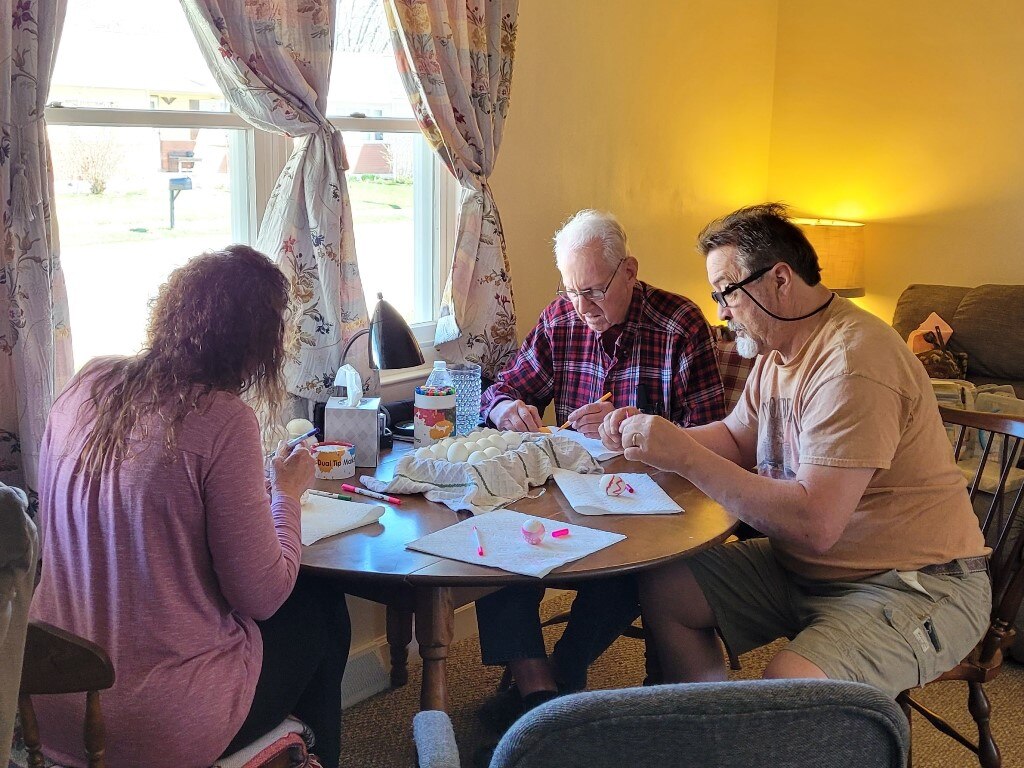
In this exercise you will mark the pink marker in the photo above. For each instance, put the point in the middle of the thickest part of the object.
(479, 543)
(629, 487)
(560, 533)
(370, 494)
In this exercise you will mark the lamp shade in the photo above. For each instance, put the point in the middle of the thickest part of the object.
(391, 338)
(840, 249)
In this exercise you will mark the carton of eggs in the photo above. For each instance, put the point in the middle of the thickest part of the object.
(477, 446)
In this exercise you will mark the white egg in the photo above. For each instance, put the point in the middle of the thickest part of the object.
(457, 453)
(498, 442)
(513, 440)
(476, 434)
(424, 453)
(474, 445)
(490, 431)
(476, 457)
(448, 441)
(439, 451)
(491, 452)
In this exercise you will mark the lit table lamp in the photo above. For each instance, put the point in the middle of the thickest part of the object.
(840, 249)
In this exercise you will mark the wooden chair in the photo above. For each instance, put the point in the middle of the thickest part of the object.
(1002, 437)
(60, 662)
(57, 661)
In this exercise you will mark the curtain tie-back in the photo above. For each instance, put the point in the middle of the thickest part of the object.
(23, 200)
(338, 144)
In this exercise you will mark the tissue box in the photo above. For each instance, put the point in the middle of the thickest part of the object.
(357, 424)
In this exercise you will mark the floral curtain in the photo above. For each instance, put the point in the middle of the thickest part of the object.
(455, 58)
(272, 61)
(35, 339)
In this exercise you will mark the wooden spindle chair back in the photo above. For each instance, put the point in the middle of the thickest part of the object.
(57, 661)
(999, 436)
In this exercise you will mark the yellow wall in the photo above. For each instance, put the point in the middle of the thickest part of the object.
(909, 116)
(661, 116)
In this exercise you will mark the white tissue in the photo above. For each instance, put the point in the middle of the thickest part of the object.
(348, 377)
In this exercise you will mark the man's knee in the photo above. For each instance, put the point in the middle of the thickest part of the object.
(672, 593)
(787, 665)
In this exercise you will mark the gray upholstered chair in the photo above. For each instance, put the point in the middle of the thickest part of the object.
(778, 723)
(18, 555)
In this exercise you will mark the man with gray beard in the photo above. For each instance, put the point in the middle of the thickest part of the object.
(873, 565)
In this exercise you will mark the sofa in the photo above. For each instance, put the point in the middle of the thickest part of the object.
(987, 322)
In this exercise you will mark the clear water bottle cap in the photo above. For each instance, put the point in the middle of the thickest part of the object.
(440, 365)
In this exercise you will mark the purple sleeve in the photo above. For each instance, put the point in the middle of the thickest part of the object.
(529, 377)
(254, 539)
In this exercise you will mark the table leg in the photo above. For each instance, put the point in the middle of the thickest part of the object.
(399, 629)
(435, 626)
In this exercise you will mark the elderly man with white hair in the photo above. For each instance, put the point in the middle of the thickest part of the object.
(606, 332)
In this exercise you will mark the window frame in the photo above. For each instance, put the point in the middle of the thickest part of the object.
(257, 161)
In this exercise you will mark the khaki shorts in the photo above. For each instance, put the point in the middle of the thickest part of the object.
(880, 630)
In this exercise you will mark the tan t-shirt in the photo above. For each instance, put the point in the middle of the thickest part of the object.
(855, 396)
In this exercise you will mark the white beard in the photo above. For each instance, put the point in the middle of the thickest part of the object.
(747, 347)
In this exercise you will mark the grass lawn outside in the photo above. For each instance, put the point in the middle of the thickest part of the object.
(118, 248)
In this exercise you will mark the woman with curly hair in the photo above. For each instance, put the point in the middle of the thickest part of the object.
(162, 545)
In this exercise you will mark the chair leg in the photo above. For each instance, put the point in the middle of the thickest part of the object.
(399, 634)
(981, 711)
(30, 732)
(95, 735)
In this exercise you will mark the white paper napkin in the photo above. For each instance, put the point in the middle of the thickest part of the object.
(504, 545)
(323, 516)
(592, 445)
(585, 495)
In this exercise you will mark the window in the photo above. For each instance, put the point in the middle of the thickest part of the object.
(151, 167)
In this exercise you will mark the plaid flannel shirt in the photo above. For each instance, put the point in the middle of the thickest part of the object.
(664, 344)
(734, 368)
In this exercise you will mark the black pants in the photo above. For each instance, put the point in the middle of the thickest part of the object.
(305, 649)
(509, 624)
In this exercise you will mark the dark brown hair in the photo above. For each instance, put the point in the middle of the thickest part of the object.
(217, 324)
(763, 236)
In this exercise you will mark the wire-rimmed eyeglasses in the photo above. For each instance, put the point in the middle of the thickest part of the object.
(590, 294)
(722, 296)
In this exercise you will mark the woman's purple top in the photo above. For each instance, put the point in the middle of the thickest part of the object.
(165, 561)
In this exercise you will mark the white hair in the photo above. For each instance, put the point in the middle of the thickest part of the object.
(587, 226)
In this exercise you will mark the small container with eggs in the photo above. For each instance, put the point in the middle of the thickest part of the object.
(475, 448)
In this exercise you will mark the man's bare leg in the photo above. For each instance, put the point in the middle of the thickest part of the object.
(791, 666)
(682, 624)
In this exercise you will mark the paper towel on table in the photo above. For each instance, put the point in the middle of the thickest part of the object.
(323, 516)
(591, 445)
(504, 545)
(585, 495)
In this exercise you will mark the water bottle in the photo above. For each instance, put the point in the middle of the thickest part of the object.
(434, 407)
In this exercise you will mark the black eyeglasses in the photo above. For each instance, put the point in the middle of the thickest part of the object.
(591, 294)
(720, 296)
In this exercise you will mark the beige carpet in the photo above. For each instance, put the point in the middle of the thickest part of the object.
(377, 733)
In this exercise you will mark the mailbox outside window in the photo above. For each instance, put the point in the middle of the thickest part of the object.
(176, 186)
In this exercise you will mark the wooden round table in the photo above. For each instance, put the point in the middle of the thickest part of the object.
(372, 562)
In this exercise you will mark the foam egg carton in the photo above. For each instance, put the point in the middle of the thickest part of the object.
(474, 448)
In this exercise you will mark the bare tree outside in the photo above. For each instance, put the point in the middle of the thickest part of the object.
(92, 155)
(361, 27)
